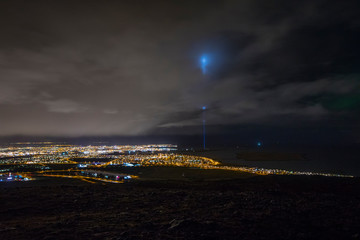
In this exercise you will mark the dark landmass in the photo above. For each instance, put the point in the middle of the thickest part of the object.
(269, 156)
(261, 207)
(35, 167)
(180, 173)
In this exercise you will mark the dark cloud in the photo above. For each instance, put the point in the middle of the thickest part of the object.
(132, 68)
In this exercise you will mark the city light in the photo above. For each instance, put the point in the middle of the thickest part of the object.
(88, 163)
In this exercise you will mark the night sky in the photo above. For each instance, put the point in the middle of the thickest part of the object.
(277, 70)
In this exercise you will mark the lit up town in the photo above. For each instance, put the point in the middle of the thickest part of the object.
(29, 161)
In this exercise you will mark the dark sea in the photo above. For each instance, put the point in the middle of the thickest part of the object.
(341, 160)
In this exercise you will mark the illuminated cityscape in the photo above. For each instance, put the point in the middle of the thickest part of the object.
(63, 154)
(43, 156)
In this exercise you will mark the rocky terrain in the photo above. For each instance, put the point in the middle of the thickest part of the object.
(263, 207)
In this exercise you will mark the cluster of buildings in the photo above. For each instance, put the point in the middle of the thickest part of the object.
(161, 159)
(41, 154)
(11, 177)
(63, 154)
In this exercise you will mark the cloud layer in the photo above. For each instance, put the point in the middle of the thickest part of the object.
(124, 68)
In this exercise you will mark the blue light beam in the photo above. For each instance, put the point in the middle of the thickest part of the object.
(204, 127)
(204, 63)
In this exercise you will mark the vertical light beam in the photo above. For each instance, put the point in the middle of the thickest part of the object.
(204, 127)
(204, 63)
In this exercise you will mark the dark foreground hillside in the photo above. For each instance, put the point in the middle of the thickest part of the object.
(272, 207)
